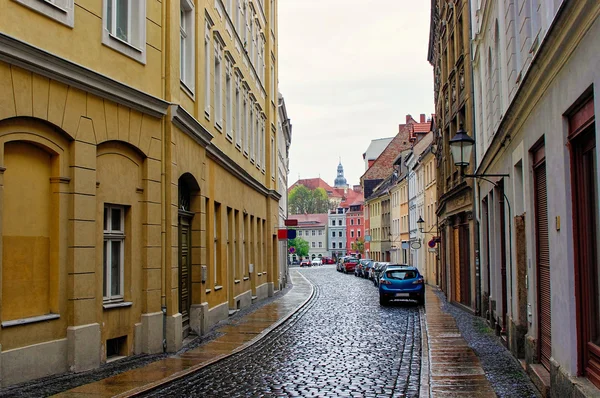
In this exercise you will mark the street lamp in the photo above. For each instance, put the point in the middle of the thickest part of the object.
(461, 146)
(420, 223)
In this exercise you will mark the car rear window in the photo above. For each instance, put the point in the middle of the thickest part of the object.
(401, 274)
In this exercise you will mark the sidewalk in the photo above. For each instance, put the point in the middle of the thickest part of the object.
(235, 338)
(454, 370)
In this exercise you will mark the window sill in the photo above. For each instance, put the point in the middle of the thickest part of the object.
(246, 278)
(238, 147)
(207, 291)
(121, 304)
(188, 91)
(123, 47)
(219, 127)
(218, 288)
(33, 319)
(259, 274)
(236, 281)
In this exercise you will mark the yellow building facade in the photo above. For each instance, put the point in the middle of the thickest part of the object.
(427, 164)
(138, 198)
(404, 225)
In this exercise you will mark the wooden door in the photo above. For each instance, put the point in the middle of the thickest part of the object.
(543, 262)
(584, 164)
(185, 273)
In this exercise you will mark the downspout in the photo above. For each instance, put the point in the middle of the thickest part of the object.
(476, 215)
(163, 174)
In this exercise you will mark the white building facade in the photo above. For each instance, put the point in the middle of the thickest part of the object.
(536, 81)
(284, 140)
(336, 236)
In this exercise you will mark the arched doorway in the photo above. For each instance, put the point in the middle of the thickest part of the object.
(188, 188)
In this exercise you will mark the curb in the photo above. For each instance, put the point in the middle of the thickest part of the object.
(424, 389)
(179, 375)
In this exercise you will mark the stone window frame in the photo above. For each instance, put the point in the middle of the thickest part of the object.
(134, 48)
(62, 11)
(187, 46)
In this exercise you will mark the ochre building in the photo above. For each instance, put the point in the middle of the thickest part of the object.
(138, 199)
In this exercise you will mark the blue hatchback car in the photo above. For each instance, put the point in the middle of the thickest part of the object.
(401, 282)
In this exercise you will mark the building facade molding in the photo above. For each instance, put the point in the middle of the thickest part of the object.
(33, 59)
(189, 125)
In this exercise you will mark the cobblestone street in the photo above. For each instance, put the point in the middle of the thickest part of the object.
(341, 344)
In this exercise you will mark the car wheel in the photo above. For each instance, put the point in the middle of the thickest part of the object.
(421, 301)
(383, 301)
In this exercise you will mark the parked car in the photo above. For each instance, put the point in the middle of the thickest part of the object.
(317, 261)
(367, 269)
(401, 282)
(349, 264)
(328, 260)
(305, 263)
(377, 270)
(360, 268)
(340, 264)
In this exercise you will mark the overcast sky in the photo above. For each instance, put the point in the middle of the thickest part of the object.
(350, 71)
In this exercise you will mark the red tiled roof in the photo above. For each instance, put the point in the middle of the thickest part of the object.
(314, 183)
(422, 127)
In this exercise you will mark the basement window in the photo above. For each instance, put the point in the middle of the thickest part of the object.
(116, 348)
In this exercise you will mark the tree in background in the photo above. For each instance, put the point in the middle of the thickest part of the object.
(302, 200)
(359, 245)
(300, 246)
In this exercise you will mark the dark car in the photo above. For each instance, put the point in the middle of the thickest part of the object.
(376, 271)
(401, 282)
(361, 269)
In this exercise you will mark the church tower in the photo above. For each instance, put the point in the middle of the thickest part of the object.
(340, 181)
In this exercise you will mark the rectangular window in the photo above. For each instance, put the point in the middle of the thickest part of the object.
(228, 103)
(320, 232)
(207, 69)
(333, 234)
(238, 114)
(312, 244)
(339, 234)
(358, 221)
(272, 88)
(245, 123)
(320, 244)
(314, 232)
(339, 222)
(114, 252)
(125, 28)
(216, 254)
(273, 157)
(352, 234)
(252, 142)
(358, 233)
(333, 223)
(218, 86)
(186, 48)
(351, 221)
(300, 233)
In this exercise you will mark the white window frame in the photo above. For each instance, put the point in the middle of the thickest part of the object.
(135, 45)
(229, 100)
(218, 83)
(252, 139)
(187, 48)
(246, 134)
(62, 11)
(272, 156)
(238, 112)
(207, 64)
(111, 235)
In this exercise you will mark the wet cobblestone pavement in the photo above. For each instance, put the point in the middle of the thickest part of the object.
(341, 344)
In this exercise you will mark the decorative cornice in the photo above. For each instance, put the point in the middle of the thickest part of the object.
(568, 28)
(189, 125)
(33, 59)
(216, 154)
(273, 194)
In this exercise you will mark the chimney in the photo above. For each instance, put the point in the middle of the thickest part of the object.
(408, 117)
(422, 118)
